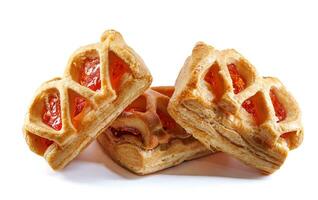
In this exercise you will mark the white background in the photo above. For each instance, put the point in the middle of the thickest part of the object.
(37, 37)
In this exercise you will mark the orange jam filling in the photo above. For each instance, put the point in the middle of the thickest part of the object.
(237, 79)
(254, 106)
(290, 139)
(138, 105)
(280, 111)
(90, 74)
(216, 82)
(52, 112)
(39, 144)
(89, 77)
(43, 142)
(79, 105)
(117, 68)
(249, 106)
(166, 121)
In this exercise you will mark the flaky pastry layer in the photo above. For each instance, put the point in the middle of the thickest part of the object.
(222, 101)
(68, 113)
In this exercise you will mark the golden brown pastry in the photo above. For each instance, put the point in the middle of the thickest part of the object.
(145, 139)
(68, 113)
(221, 100)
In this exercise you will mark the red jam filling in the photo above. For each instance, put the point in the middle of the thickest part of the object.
(44, 143)
(139, 105)
(216, 82)
(237, 79)
(253, 107)
(89, 77)
(280, 111)
(249, 106)
(166, 121)
(117, 68)
(90, 74)
(52, 112)
(289, 138)
(40, 144)
(80, 103)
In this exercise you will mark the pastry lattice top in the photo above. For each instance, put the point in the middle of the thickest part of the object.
(259, 107)
(66, 107)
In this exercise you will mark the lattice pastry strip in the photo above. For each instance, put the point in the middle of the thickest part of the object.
(145, 139)
(68, 113)
(223, 101)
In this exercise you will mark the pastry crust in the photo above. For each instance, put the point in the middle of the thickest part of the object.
(145, 139)
(219, 120)
(59, 147)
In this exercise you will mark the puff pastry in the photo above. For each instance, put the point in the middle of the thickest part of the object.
(145, 139)
(68, 113)
(222, 101)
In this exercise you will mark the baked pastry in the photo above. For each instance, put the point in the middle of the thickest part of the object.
(221, 100)
(145, 139)
(68, 113)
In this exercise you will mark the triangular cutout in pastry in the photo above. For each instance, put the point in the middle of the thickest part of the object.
(85, 69)
(51, 115)
(215, 81)
(78, 107)
(118, 68)
(251, 117)
(93, 91)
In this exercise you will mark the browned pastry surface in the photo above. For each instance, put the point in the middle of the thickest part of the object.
(222, 101)
(68, 113)
(145, 139)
